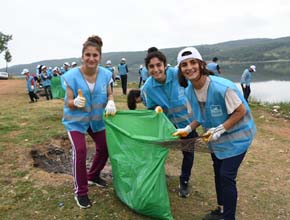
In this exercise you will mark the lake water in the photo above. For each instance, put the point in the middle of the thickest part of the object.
(270, 91)
(271, 82)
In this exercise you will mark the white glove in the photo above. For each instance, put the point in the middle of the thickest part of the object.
(32, 87)
(110, 108)
(80, 101)
(183, 132)
(216, 132)
(244, 85)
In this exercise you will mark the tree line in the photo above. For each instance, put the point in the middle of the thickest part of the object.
(4, 39)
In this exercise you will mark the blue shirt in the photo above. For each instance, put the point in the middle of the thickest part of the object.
(246, 77)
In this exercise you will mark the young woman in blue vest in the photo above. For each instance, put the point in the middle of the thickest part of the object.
(214, 67)
(162, 89)
(123, 72)
(87, 93)
(222, 111)
(30, 85)
(46, 82)
(112, 70)
(245, 81)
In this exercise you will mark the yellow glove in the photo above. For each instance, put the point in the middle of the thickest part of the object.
(206, 136)
(182, 132)
(158, 109)
(214, 134)
(80, 93)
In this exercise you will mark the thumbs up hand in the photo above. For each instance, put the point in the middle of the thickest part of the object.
(80, 101)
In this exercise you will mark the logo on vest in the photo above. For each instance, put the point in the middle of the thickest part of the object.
(180, 92)
(216, 111)
(104, 89)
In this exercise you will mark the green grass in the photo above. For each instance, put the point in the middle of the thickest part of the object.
(22, 196)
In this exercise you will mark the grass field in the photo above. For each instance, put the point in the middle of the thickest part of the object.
(27, 192)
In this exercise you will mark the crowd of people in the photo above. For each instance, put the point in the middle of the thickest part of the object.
(47, 79)
(191, 94)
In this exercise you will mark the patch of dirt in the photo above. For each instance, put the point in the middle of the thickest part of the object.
(55, 157)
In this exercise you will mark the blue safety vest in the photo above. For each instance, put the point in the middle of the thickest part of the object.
(144, 73)
(122, 68)
(111, 69)
(213, 68)
(80, 119)
(170, 96)
(29, 84)
(234, 141)
(46, 81)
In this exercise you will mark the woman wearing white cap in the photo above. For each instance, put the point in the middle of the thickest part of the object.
(246, 81)
(30, 85)
(219, 107)
(123, 72)
(112, 70)
(74, 64)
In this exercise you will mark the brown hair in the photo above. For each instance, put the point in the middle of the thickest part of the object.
(94, 41)
(153, 52)
(131, 98)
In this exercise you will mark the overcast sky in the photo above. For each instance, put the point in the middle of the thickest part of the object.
(56, 29)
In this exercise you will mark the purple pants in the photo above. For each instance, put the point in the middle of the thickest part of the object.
(79, 155)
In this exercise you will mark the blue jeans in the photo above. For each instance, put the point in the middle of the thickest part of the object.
(226, 171)
(187, 161)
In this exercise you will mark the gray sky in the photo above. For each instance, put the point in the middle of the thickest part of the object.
(56, 29)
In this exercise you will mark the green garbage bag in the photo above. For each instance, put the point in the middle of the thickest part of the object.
(137, 164)
(56, 88)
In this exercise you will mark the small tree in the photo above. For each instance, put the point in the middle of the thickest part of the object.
(8, 58)
(4, 39)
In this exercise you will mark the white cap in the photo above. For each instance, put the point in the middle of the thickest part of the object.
(253, 67)
(108, 62)
(38, 66)
(66, 64)
(141, 66)
(193, 53)
(74, 63)
(43, 67)
(24, 71)
(123, 59)
(55, 68)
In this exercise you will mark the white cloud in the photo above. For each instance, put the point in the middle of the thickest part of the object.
(56, 29)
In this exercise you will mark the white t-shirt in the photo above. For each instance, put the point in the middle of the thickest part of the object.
(92, 85)
(232, 100)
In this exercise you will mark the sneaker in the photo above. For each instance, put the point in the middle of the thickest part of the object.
(83, 201)
(183, 189)
(98, 181)
(214, 215)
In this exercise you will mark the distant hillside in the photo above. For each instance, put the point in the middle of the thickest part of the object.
(240, 51)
